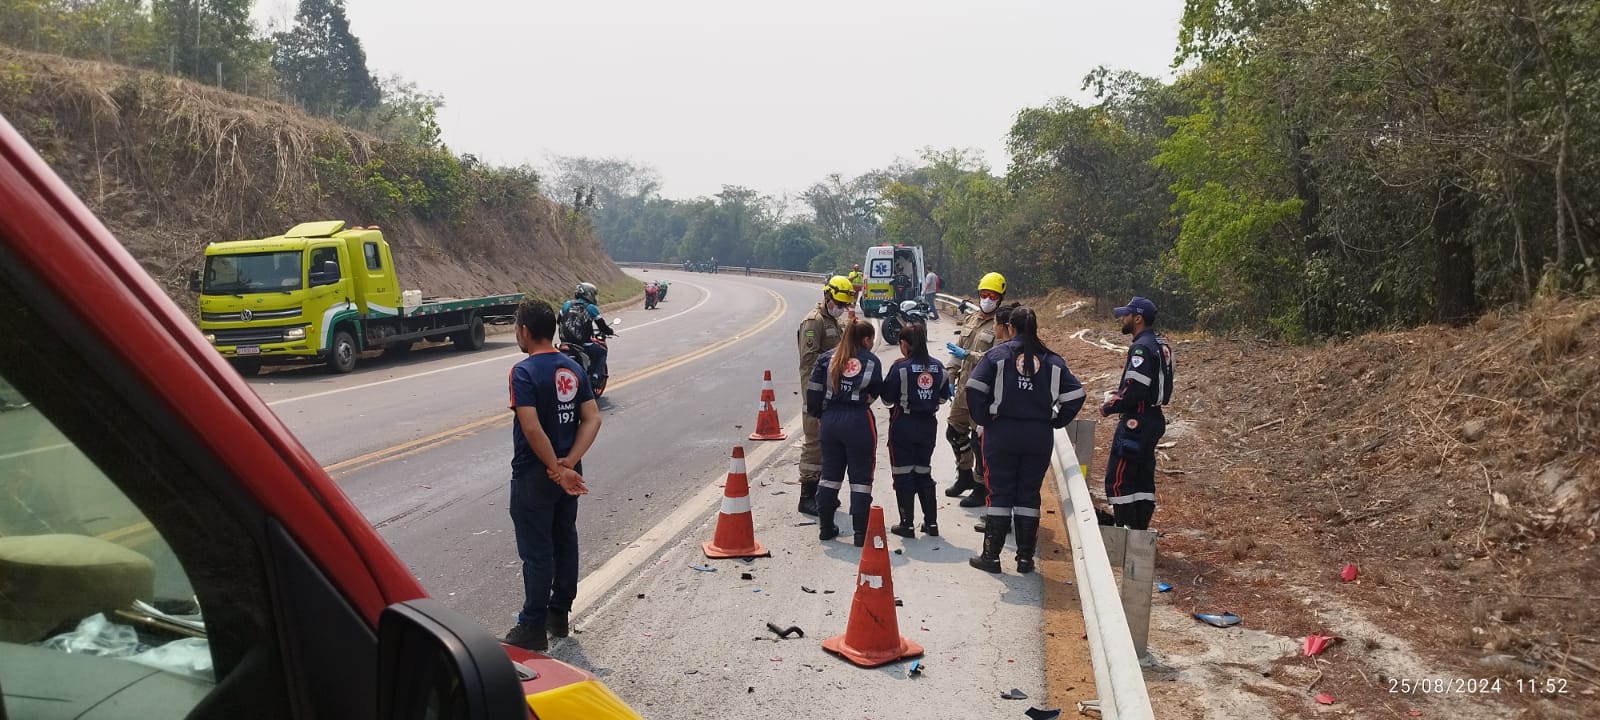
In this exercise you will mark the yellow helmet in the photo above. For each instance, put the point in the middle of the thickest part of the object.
(993, 282)
(839, 288)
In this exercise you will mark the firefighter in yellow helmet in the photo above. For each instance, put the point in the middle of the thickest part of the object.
(819, 332)
(976, 337)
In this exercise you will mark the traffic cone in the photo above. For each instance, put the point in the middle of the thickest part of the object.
(872, 636)
(736, 534)
(767, 427)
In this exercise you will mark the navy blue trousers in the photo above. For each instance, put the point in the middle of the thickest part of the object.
(1017, 455)
(545, 519)
(911, 440)
(849, 437)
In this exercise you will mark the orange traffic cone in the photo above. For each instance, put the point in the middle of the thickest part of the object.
(872, 636)
(767, 427)
(736, 533)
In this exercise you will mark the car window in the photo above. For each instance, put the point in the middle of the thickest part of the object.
(321, 256)
(127, 588)
(374, 261)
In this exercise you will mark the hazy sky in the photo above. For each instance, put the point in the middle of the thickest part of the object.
(771, 95)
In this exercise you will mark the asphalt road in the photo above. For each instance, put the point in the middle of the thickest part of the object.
(422, 443)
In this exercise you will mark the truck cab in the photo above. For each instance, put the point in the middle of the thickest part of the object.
(894, 274)
(168, 549)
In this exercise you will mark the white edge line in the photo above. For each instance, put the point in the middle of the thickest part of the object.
(627, 563)
(497, 358)
(23, 453)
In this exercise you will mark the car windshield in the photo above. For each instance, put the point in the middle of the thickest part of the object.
(252, 273)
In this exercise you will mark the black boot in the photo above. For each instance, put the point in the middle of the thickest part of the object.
(978, 498)
(1027, 541)
(964, 482)
(930, 511)
(860, 523)
(826, 529)
(907, 500)
(528, 636)
(994, 540)
(556, 623)
(808, 499)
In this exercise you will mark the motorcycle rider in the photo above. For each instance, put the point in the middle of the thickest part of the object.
(819, 332)
(579, 316)
(652, 295)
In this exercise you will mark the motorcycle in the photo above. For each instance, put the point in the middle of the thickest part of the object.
(652, 295)
(661, 291)
(597, 381)
(894, 317)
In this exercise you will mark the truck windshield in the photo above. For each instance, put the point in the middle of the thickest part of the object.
(252, 273)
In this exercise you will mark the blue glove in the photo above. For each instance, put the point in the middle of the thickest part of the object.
(956, 351)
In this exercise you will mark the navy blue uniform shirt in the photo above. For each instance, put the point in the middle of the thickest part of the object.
(555, 386)
(1146, 377)
(861, 382)
(916, 386)
(1013, 384)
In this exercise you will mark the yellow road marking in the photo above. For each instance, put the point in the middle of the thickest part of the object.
(136, 531)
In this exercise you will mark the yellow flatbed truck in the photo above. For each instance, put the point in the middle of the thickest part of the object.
(324, 293)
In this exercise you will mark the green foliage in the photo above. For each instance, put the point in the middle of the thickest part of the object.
(321, 63)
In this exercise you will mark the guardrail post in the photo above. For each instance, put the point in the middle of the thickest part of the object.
(1138, 579)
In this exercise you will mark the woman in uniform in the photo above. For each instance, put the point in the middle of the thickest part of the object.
(914, 388)
(843, 384)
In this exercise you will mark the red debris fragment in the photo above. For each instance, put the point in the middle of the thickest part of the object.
(1324, 699)
(1414, 713)
(1348, 574)
(1315, 643)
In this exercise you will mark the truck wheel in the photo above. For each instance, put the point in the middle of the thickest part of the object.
(246, 368)
(342, 354)
(472, 337)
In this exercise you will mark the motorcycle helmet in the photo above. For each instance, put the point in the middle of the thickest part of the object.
(587, 292)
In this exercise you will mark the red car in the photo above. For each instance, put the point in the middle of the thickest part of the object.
(167, 548)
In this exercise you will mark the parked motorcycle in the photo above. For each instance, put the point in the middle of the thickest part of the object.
(894, 317)
(597, 380)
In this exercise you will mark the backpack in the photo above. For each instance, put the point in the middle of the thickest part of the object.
(576, 326)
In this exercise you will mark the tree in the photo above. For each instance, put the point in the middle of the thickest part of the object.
(321, 63)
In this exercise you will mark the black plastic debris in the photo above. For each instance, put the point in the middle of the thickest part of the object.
(805, 523)
(786, 632)
(641, 596)
(1014, 694)
(805, 589)
(750, 690)
(746, 576)
(899, 551)
(1034, 713)
(899, 603)
(827, 592)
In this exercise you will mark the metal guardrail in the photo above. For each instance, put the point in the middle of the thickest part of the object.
(735, 270)
(1118, 676)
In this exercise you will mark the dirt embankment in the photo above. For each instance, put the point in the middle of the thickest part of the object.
(170, 165)
(1457, 469)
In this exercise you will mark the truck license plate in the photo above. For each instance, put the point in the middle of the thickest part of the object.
(247, 350)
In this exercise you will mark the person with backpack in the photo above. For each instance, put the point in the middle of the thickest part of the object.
(579, 316)
(914, 389)
(1145, 387)
(843, 384)
(1019, 393)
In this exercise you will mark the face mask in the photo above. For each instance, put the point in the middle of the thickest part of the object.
(987, 305)
(836, 311)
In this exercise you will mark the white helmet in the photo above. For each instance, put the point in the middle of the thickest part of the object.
(588, 293)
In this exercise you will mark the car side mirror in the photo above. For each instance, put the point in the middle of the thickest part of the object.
(194, 281)
(614, 321)
(328, 275)
(437, 664)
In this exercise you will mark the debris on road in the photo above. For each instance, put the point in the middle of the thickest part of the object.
(786, 632)
(702, 568)
(1014, 694)
(1315, 643)
(805, 523)
(1226, 619)
(1034, 713)
(1324, 699)
(1163, 587)
(746, 576)
(914, 669)
(1348, 574)
(805, 589)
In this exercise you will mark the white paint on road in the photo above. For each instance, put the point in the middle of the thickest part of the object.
(495, 359)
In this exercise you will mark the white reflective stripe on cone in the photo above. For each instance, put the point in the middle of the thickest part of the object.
(735, 506)
(736, 466)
